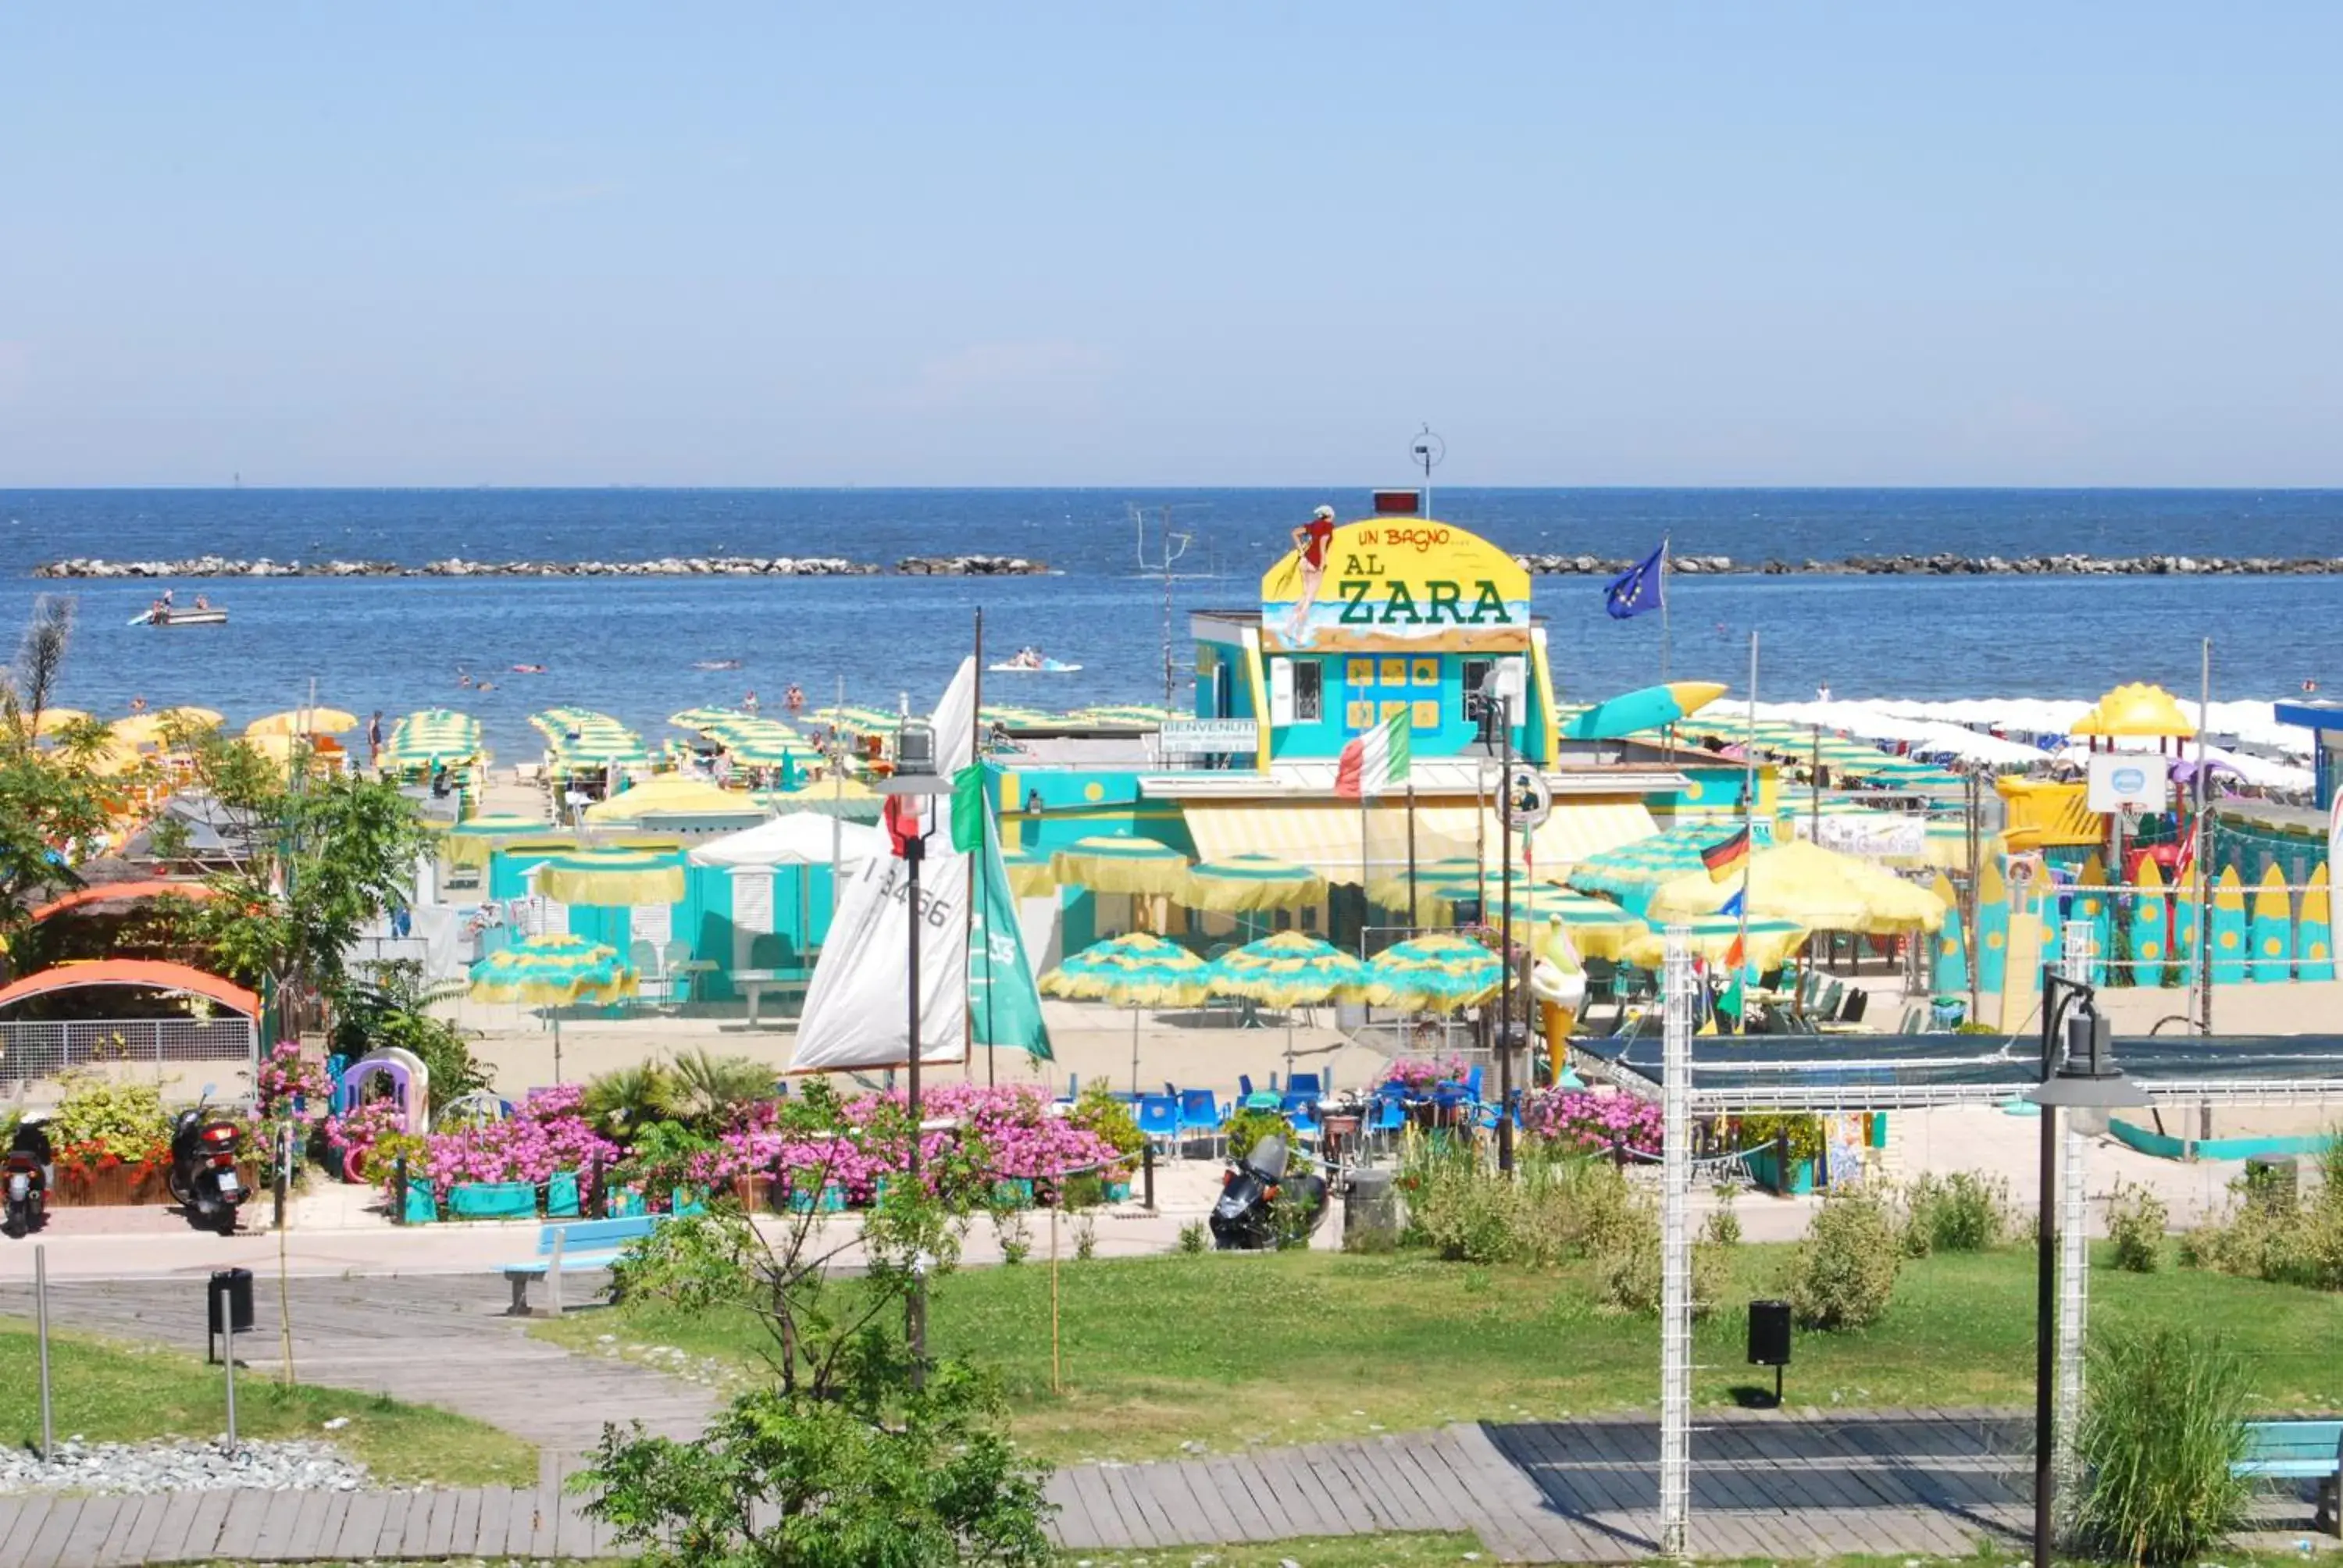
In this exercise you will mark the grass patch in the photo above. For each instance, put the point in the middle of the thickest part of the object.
(114, 1392)
(1297, 1347)
(1393, 1551)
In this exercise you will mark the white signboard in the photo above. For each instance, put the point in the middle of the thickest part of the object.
(653, 923)
(1210, 736)
(2127, 781)
(1872, 835)
(752, 901)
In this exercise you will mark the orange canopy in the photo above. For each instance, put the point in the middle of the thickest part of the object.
(112, 892)
(141, 972)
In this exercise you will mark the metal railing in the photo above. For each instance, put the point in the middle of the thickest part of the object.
(34, 1053)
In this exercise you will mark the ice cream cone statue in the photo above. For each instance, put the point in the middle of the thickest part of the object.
(1558, 981)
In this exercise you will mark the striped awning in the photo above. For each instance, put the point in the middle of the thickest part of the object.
(1342, 843)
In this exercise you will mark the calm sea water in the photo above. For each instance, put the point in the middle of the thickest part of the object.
(628, 647)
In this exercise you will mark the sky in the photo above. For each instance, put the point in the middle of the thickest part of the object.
(1210, 244)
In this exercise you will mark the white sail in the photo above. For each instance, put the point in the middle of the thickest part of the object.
(857, 1008)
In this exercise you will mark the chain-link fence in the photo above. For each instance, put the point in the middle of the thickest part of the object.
(33, 1052)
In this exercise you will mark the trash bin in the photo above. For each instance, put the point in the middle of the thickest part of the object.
(229, 1300)
(1371, 1212)
(1769, 1333)
(1769, 1340)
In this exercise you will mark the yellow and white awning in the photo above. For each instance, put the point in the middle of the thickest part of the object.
(1344, 844)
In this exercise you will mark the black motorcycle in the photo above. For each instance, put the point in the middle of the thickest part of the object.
(27, 1174)
(1262, 1206)
(203, 1179)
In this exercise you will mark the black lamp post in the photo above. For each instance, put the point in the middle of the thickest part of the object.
(915, 777)
(2078, 1073)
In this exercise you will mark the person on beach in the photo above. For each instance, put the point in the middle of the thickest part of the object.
(1310, 544)
(794, 700)
(137, 704)
(749, 703)
(374, 740)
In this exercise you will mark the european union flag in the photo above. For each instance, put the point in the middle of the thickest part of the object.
(1641, 587)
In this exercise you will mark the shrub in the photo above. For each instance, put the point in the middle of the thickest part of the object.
(1100, 1114)
(1723, 1228)
(124, 1121)
(1582, 1121)
(1247, 1127)
(1962, 1212)
(2136, 1218)
(1463, 1212)
(1805, 1134)
(1194, 1238)
(1843, 1274)
(1628, 1265)
(2163, 1422)
(2268, 1236)
(1420, 1075)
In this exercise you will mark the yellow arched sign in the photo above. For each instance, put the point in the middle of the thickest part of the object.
(1387, 580)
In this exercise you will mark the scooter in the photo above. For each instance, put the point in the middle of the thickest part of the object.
(28, 1170)
(203, 1179)
(1253, 1189)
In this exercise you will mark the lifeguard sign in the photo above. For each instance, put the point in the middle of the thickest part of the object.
(1389, 581)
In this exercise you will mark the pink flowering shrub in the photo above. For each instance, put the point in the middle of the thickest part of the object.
(379, 1125)
(1578, 1118)
(1420, 1075)
(1004, 1132)
(545, 1135)
(290, 1085)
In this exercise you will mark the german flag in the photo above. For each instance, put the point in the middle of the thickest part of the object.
(1724, 859)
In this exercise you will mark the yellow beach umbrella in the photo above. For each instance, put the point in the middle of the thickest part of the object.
(1815, 888)
(612, 877)
(146, 728)
(671, 795)
(302, 721)
(1121, 865)
(1771, 942)
(53, 719)
(472, 842)
(1244, 884)
(1436, 973)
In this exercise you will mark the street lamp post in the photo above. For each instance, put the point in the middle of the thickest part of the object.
(914, 779)
(2078, 1073)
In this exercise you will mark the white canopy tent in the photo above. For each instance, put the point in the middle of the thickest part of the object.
(793, 839)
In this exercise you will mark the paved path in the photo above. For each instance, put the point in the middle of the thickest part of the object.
(439, 1340)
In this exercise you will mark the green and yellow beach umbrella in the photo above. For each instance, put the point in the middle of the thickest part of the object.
(554, 969)
(1290, 969)
(1435, 881)
(612, 877)
(1629, 873)
(472, 842)
(551, 971)
(430, 737)
(1820, 889)
(1434, 974)
(1139, 866)
(1599, 929)
(1135, 970)
(835, 797)
(1245, 884)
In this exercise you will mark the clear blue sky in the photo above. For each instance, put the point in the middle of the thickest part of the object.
(1195, 243)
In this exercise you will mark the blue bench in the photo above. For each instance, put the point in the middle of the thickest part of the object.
(2299, 1451)
(572, 1247)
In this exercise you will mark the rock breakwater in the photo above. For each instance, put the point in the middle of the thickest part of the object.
(1958, 565)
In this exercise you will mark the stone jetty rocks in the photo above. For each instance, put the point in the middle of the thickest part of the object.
(666, 567)
(1020, 566)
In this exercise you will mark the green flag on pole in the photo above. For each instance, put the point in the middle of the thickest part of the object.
(968, 814)
(1004, 1006)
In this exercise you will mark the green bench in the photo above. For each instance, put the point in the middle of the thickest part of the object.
(572, 1247)
(2299, 1451)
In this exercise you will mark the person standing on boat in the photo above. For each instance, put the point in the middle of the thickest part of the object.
(1310, 541)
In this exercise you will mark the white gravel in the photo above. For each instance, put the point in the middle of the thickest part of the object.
(182, 1464)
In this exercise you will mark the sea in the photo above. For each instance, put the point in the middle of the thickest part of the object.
(632, 647)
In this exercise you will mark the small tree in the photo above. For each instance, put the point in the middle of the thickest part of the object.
(1843, 1274)
(860, 1450)
(51, 798)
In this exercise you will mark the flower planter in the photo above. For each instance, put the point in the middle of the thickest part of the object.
(492, 1201)
(625, 1202)
(561, 1196)
(830, 1199)
(119, 1187)
(1013, 1192)
(422, 1208)
(1118, 1190)
(753, 1194)
(1765, 1168)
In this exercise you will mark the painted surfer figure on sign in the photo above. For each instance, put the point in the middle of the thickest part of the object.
(1309, 545)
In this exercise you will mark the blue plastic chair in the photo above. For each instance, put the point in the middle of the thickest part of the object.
(1200, 1113)
(1389, 1116)
(1244, 1086)
(1158, 1119)
(1473, 1084)
(1305, 1084)
(1301, 1110)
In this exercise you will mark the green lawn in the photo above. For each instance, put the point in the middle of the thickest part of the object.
(1231, 1350)
(112, 1391)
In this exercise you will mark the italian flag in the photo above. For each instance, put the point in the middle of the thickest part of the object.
(1375, 760)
